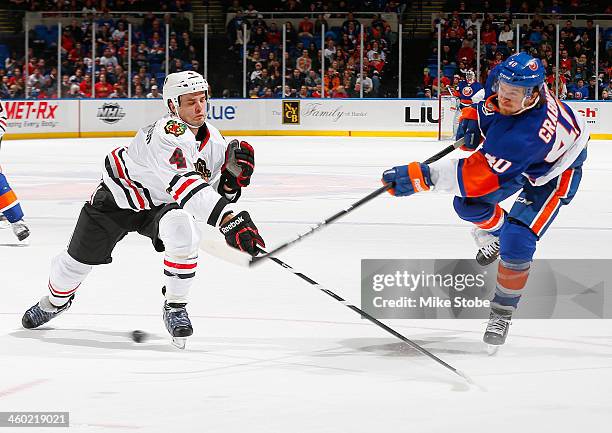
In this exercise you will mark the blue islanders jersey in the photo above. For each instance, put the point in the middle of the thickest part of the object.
(467, 92)
(581, 92)
(539, 144)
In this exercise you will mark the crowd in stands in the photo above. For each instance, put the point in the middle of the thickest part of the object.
(305, 77)
(100, 5)
(312, 7)
(39, 78)
(576, 45)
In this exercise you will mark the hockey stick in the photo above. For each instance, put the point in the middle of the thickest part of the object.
(219, 248)
(368, 316)
(352, 207)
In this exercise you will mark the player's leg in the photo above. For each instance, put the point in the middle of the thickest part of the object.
(488, 217)
(11, 210)
(528, 220)
(176, 233)
(96, 233)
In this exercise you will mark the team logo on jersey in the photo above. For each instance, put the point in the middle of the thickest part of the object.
(110, 112)
(291, 112)
(200, 167)
(467, 91)
(533, 65)
(175, 128)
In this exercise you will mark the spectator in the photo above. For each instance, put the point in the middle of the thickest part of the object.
(273, 36)
(339, 92)
(306, 28)
(138, 92)
(296, 81)
(85, 86)
(466, 53)
(4, 87)
(108, 58)
(312, 81)
(580, 90)
(103, 88)
(507, 34)
(303, 93)
(304, 62)
(119, 92)
(154, 92)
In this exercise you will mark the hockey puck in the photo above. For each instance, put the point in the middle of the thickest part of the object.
(139, 336)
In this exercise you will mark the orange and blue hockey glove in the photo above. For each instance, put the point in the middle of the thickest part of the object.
(408, 179)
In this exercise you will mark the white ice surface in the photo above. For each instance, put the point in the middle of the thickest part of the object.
(269, 353)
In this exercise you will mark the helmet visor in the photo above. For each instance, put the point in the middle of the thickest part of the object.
(508, 91)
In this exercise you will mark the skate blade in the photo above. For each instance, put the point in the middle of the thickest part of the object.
(179, 342)
(492, 349)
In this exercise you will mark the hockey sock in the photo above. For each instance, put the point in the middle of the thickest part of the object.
(178, 277)
(511, 281)
(65, 277)
(9, 205)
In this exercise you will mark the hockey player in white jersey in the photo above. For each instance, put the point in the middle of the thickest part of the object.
(11, 214)
(174, 171)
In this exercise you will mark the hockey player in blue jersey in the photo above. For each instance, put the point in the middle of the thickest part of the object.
(524, 139)
(470, 91)
(10, 209)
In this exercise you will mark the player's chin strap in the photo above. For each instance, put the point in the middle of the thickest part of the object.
(525, 108)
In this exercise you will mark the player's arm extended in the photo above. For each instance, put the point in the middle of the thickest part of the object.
(172, 162)
(474, 176)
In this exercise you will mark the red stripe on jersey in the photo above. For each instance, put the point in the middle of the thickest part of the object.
(205, 141)
(180, 265)
(2, 122)
(122, 175)
(183, 187)
(477, 177)
(551, 205)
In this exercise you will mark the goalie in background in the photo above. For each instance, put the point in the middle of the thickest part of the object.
(174, 171)
(11, 214)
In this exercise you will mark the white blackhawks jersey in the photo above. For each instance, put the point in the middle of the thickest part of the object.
(3, 121)
(158, 167)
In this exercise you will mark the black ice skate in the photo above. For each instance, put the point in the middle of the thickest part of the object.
(21, 230)
(497, 328)
(488, 246)
(42, 312)
(177, 323)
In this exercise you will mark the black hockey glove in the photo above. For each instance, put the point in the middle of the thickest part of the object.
(238, 167)
(241, 233)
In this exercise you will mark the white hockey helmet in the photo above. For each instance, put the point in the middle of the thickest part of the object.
(182, 83)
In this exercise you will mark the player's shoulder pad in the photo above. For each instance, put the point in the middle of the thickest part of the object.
(172, 131)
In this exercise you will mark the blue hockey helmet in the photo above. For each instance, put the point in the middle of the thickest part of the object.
(521, 70)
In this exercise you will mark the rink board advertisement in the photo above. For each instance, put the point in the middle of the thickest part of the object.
(42, 118)
(462, 289)
(118, 117)
(344, 117)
